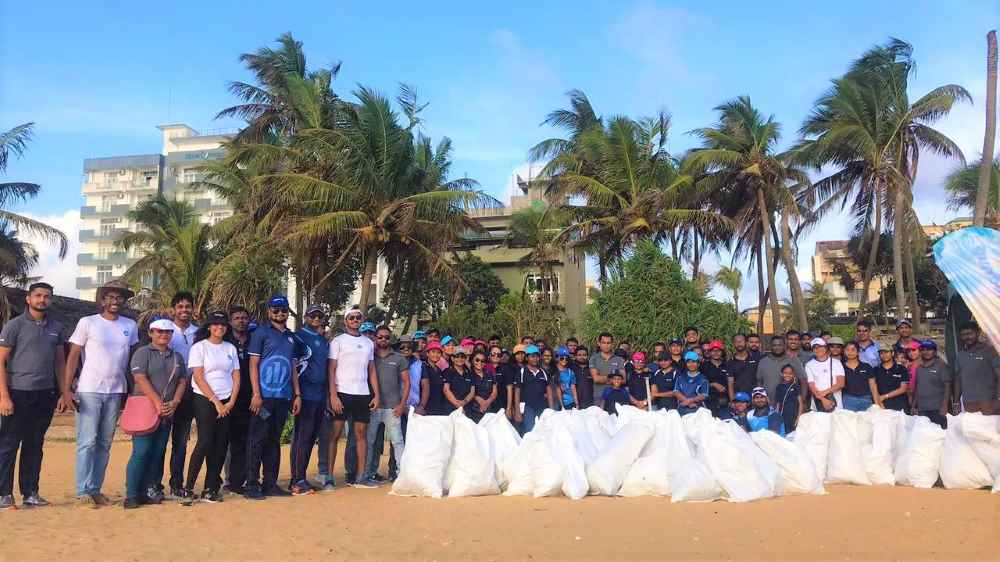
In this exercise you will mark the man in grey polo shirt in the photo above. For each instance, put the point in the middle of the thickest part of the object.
(978, 372)
(31, 355)
(769, 368)
(932, 394)
(393, 371)
(603, 363)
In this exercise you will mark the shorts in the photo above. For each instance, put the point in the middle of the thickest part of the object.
(355, 408)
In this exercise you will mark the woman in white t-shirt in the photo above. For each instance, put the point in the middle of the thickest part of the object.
(215, 369)
(825, 376)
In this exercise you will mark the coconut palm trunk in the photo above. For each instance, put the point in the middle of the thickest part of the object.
(371, 262)
(761, 305)
(911, 281)
(991, 129)
(765, 221)
(897, 252)
(798, 298)
(876, 234)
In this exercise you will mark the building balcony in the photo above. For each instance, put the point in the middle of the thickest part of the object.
(106, 236)
(114, 258)
(113, 211)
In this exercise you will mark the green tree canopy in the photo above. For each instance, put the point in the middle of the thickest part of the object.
(650, 300)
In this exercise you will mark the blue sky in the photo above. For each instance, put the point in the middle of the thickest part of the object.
(97, 77)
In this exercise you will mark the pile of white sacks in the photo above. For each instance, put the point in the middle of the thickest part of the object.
(695, 458)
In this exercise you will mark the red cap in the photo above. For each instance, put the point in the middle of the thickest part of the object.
(433, 345)
(638, 356)
(716, 344)
(467, 341)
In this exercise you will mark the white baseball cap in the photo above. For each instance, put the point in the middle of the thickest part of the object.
(162, 324)
(818, 342)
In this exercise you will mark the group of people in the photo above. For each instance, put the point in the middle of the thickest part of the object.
(241, 382)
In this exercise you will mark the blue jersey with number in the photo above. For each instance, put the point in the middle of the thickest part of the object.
(276, 350)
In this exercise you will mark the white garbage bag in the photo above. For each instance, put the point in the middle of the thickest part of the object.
(798, 475)
(608, 471)
(690, 477)
(740, 468)
(576, 424)
(504, 441)
(813, 433)
(845, 464)
(919, 462)
(983, 435)
(904, 425)
(558, 445)
(426, 456)
(518, 470)
(471, 471)
(878, 427)
(961, 468)
(650, 473)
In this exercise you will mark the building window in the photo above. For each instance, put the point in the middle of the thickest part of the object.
(539, 286)
(104, 274)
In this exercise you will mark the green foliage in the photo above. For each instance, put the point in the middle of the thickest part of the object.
(513, 318)
(819, 307)
(651, 300)
(843, 331)
(288, 430)
(413, 290)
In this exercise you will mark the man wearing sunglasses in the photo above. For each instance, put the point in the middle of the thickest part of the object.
(392, 370)
(354, 390)
(275, 393)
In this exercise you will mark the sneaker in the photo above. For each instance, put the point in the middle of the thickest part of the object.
(211, 497)
(176, 494)
(146, 500)
(34, 500)
(101, 500)
(131, 503)
(154, 494)
(379, 478)
(350, 480)
(366, 483)
(329, 486)
(7, 502)
(320, 481)
(277, 491)
(234, 490)
(253, 494)
(187, 498)
(86, 501)
(302, 488)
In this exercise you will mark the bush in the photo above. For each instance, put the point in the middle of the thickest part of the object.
(651, 300)
(514, 317)
(286, 432)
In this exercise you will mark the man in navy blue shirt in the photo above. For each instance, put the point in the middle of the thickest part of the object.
(313, 382)
(275, 389)
(532, 388)
(662, 383)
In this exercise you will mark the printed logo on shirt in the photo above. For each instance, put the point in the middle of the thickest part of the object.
(125, 333)
(275, 372)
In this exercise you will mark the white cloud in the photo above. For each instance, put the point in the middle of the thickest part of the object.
(61, 274)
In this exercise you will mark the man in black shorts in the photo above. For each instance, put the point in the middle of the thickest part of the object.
(354, 391)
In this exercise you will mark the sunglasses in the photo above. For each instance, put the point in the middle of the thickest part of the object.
(405, 348)
(494, 355)
(354, 318)
(279, 310)
(478, 360)
(316, 315)
(564, 358)
(458, 355)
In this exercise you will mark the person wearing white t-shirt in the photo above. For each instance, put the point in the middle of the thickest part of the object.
(215, 366)
(825, 376)
(104, 341)
(354, 389)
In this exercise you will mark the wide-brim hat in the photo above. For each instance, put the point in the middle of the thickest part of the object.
(115, 285)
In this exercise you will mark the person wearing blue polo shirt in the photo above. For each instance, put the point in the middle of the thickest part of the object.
(275, 391)
(762, 415)
(691, 387)
(532, 389)
(661, 384)
(313, 382)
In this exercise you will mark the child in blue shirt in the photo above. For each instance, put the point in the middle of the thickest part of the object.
(691, 387)
(616, 393)
(566, 387)
(788, 398)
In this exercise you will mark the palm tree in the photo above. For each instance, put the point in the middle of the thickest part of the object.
(962, 186)
(538, 229)
(740, 159)
(576, 120)
(989, 140)
(175, 247)
(14, 142)
(730, 278)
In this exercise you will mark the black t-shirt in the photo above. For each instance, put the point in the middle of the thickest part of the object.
(484, 385)
(584, 384)
(889, 380)
(664, 381)
(715, 374)
(246, 390)
(637, 383)
(743, 373)
(502, 380)
(436, 404)
(856, 380)
(533, 386)
(459, 383)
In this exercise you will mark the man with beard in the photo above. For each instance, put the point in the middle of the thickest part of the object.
(741, 368)
(239, 321)
(753, 346)
(584, 381)
(769, 369)
(978, 371)
(31, 355)
(604, 362)
(182, 305)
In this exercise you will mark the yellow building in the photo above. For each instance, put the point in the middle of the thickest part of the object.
(937, 230)
(829, 261)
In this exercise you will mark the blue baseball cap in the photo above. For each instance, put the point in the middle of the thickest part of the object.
(562, 351)
(691, 356)
(446, 340)
(531, 349)
(277, 301)
(741, 397)
(928, 344)
(419, 334)
(367, 327)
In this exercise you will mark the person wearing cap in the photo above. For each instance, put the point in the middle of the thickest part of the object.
(718, 378)
(661, 383)
(761, 415)
(367, 330)
(161, 375)
(392, 371)
(690, 386)
(789, 398)
(354, 393)
(891, 380)
(836, 345)
(910, 359)
(313, 383)
(181, 310)
(639, 380)
(932, 395)
(420, 344)
(275, 393)
(239, 423)
(904, 331)
(511, 375)
(532, 389)
(867, 348)
(468, 345)
(978, 372)
(741, 368)
(825, 377)
(433, 402)
(604, 362)
(736, 411)
(566, 394)
(676, 350)
(104, 341)
(616, 394)
(31, 359)
(448, 348)
(215, 368)
(859, 380)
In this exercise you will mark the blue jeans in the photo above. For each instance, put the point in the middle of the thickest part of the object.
(96, 418)
(856, 403)
(529, 418)
(393, 428)
(145, 466)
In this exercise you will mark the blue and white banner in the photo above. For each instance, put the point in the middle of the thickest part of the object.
(970, 259)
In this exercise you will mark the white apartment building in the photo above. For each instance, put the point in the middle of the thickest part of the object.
(113, 186)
